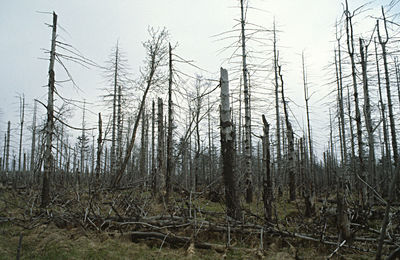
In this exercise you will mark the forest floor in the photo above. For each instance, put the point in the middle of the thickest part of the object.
(128, 224)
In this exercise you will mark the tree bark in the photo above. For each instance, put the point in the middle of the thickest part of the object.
(227, 150)
(48, 157)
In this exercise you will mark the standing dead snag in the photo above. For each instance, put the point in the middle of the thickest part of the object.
(48, 157)
(160, 152)
(247, 116)
(227, 150)
(290, 139)
(350, 50)
(99, 149)
(267, 180)
(383, 43)
(170, 164)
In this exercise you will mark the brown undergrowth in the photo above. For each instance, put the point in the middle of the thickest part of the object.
(129, 224)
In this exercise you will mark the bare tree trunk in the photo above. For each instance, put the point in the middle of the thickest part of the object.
(160, 152)
(83, 142)
(227, 150)
(153, 159)
(248, 170)
(22, 116)
(289, 134)
(114, 115)
(368, 119)
(393, 134)
(267, 178)
(170, 163)
(8, 146)
(156, 53)
(338, 63)
(277, 114)
(99, 150)
(387, 155)
(142, 160)
(120, 122)
(310, 188)
(48, 157)
(350, 48)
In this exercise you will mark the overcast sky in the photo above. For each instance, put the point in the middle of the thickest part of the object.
(94, 26)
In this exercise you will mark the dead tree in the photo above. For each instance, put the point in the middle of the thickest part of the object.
(114, 115)
(156, 53)
(277, 114)
(267, 178)
(99, 150)
(160, 152)
(7, 146)
(309, 187)
(153, 159)
(385, 222)
(21, 116)
(290, 140)
(387, 154)
(227, 150)
(48, 157)
(247, 122)
(170, 163)
(350, 50)
(367, 113)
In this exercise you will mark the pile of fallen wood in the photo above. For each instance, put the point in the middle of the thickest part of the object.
(181, 224)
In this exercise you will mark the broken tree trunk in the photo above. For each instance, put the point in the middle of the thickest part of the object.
(267, 180)
(227, 150)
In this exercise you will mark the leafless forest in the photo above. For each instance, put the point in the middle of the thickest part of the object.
(184, 165)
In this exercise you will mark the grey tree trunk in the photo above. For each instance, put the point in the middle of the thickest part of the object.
(387, 154)
(114, 115)
(22, 116)
(227, 150)
(350, 50)
(99, 150)
(8, 146)
(277, 114)
(160, 152)
(383, 43)
(247, 140)
(289, 135)
(170, 163)
(368, 118)
(310, 187)
(48, 157)
(153, 158)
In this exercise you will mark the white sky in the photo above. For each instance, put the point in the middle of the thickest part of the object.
(94, 26)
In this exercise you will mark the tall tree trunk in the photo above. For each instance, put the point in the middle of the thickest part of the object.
(48, 157)
(114, 115)
(99, 150)
(22, 116)
(387, 155)
(383, 43)
(350, 49)
(310, 187)
(267, 178)
(247, 140)
(367, 113)
(8, 146)
(170, 163)
(227, 150)
(277, 114)
(289, 135)
(160, 152)
(153, 159)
